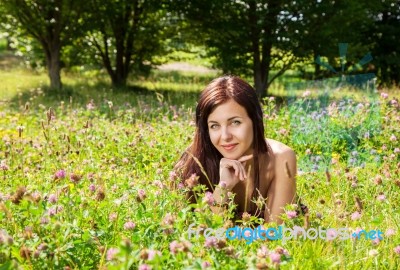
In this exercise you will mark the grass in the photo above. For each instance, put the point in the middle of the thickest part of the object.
(84, 180)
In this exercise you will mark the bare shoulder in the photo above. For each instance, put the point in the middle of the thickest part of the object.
(280, 149)
(285, 159)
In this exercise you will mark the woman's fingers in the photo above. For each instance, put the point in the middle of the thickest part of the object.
(237, 165)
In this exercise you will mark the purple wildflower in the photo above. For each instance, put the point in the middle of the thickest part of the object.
(356, 215)
(275, 257)
(209, 198)
(3, 165)
(205, 264)
(211, 242)
(144, 267)
(291, 214)
(92, 187)
(60, 174)
(390, 232)
(129, 225)
(381, 197)
(111, 252)
(52, 198)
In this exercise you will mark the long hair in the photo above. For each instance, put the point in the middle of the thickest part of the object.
(219, 91)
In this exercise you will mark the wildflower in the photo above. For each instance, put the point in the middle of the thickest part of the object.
(373, 253)
(159, 184)
(331, 234)
(100, 194)
(25, 252)
(209, 198)
(376, 241)
(19, 194)
(60, 174)
(397, 250)
(110, 104)
(291, 214)
(169, 219)
(390, 232)
(192, 181)
(151, 254)
(275, 257)
(381, 197)
(308, 151)
(384, 95)
(205, 264)
(174, 247)
(75, 177)
(36, 196)
(356, 215)
(90, 106)
(262, 252)
(283, 131)
(112, 216)
(181, 186)
(111, 252)
(129, 225)
(52, 198)
(4, 166)
(144, 267)
(211, 242)
(141, 195)
(92, 187)
(378, 180)
(172, 175)
(44, 221)
(20, 130)
(393, 138)
(306, 93)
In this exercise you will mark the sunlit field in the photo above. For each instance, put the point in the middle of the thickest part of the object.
(86, 177)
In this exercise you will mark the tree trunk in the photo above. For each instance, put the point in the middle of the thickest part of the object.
(54, 69)
(53, 63)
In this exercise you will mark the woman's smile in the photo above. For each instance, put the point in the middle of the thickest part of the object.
(229, 147)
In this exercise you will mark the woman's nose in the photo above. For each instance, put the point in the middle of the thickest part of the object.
(226, 134)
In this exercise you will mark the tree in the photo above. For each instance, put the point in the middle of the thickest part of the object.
(51, 23)
(126, 34)
(321, 25)
(246, 37)
(384, 34)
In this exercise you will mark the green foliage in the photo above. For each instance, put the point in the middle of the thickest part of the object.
(85, 184)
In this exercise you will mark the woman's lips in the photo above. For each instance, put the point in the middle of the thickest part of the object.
(229, 147)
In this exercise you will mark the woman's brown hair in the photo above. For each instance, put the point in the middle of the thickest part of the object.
(219, 91)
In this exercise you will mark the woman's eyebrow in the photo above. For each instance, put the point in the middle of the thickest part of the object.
(229, 119)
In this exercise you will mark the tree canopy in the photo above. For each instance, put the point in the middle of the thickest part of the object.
(261, 39)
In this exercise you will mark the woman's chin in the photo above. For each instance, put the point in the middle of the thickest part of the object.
(231, 156)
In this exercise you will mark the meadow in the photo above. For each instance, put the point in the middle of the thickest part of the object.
(85, 178)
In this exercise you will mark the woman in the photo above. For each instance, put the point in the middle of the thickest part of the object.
(235, 157)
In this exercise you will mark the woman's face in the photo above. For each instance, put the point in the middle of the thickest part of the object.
(231, 130)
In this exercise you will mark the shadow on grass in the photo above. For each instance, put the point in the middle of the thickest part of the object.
(80, 94)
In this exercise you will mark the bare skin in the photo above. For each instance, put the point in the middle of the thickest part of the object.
(277, 183)
(231, 132)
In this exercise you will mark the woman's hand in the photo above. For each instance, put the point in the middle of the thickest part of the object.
(232, 171)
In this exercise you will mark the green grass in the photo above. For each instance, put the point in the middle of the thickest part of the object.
(126, 146)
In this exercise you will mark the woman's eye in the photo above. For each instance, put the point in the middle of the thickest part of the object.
(236, 122)
(213, 126)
